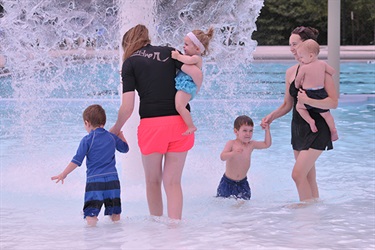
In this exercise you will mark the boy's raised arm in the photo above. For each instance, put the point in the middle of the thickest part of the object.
(267, 139)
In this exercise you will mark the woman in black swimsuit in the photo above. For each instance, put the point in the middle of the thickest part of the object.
(307, 145)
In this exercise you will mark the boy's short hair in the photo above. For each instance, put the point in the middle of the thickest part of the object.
(95, 114)
(311, 46)
(243, 120)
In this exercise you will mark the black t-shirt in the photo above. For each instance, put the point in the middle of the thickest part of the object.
(152, 71)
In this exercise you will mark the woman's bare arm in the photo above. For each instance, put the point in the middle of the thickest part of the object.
(287, 105)
(125, 111)
(329, 102)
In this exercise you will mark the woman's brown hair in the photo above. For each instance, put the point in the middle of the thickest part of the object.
(134, 39)
(306, 33)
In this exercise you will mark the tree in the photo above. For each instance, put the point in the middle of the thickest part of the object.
(279, 17)
(357, 22)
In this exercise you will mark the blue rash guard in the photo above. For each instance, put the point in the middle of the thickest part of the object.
(99, 148)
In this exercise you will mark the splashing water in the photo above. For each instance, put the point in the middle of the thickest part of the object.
(64, 55)
(43, 41)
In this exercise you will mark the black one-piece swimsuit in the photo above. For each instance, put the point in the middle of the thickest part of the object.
(302, 136)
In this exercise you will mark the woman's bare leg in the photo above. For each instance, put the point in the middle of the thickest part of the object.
(305, 163)
(173, 167)
(152, 165)
(311, 178)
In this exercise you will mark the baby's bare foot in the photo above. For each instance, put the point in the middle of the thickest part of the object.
(313, 127)
(334, 135)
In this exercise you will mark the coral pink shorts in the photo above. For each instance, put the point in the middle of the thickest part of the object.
(163, 134)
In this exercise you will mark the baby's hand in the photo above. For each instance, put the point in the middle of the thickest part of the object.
(175, 54)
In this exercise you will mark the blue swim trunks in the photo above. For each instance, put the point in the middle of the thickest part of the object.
(102, 190)
(234, 189)
(185, 83)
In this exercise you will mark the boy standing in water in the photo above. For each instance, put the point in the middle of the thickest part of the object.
(102, 185)
(310, 77)
(237, 154)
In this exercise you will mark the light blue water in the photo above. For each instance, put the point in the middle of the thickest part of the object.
(266, 79)
(39, 136)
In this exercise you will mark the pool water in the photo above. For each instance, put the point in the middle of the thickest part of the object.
(39, 136)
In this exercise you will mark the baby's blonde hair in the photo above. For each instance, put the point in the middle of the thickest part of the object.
(311, 46)
(204, 38)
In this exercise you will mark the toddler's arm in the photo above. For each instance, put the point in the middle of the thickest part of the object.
(227, 152)
(121, 136)
(71, 166)
(194, 59)
(121, 143)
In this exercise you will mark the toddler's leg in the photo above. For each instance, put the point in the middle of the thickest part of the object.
(301, 109)
(115, 217)
(182, 99)
(331, 124)
(91, 221)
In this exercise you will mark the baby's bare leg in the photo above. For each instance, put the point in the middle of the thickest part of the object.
(301, 109)
(331, 124)
(182, 99)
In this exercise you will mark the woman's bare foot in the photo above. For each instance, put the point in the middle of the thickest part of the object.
(190, 131)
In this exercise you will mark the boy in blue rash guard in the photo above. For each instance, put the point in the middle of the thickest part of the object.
(237, 154)
(99, 147)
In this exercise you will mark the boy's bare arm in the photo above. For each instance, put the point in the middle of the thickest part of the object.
(267, 139)
(71, 166)
(227, 152)
(121, 136)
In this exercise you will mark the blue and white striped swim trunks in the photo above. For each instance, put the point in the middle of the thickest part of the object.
(102, 190)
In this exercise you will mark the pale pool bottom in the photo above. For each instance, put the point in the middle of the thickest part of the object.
(38, 214)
